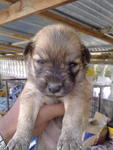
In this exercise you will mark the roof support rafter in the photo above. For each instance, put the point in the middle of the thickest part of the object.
(102, 62)
(105, 56)
(8, 46)
(25, 8)
(107, 30)
(22, 9)
(4, 32)
(76, 25)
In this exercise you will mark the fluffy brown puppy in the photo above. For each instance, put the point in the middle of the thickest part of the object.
(56, 62)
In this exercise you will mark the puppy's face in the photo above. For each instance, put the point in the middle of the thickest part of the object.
(55, 60)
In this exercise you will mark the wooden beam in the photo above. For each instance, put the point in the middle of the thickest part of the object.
(4, 32)
(10, 46)
(102, 62)
(12, 56)
(15, 35)
(76, 25)
(102, 56)
(101, 51)
(8, 50)
(107, 30)
(5, 52)
(25, 8)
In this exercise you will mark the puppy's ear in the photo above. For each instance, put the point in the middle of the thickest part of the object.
(85, 55)
(28, 49)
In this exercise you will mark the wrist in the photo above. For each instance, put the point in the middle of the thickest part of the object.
(8, 123)
(6, 131)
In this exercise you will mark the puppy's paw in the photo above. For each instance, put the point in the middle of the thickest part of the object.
(17, 144)
(69, 143)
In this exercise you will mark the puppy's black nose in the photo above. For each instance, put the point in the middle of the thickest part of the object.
(54, 88)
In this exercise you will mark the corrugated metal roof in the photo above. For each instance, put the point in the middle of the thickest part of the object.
(97, 14)
(29, 25)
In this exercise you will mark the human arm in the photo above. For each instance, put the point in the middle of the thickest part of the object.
(8, 122)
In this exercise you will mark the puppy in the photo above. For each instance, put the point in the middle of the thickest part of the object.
(56, 62)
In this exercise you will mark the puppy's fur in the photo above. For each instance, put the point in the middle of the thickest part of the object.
(56, 62)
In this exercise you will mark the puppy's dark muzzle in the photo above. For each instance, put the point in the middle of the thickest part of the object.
(54, 88)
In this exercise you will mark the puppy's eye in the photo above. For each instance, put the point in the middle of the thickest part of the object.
(40, 61)
(72, 64)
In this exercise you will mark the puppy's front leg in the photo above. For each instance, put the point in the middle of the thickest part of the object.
(29, 107)
(76, 110)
